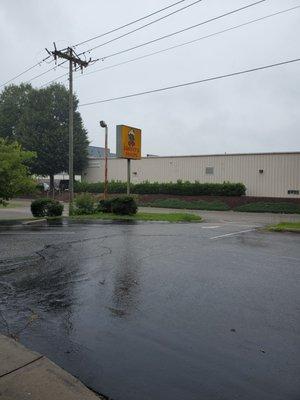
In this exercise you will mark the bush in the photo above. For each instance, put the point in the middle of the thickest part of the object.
(189, 205)
(105, 206)
(84, 204)
(98, 187)
(285, 208)
(124, 205)
(178, 188)
(46, 208)
(55, 209)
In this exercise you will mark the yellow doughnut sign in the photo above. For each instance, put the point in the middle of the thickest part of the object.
(129, 142)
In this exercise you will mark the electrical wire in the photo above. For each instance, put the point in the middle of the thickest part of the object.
(46, 72)
(183, 44)
(24, 72)
(193, 82)
(141, 27)
(180, 31)
(93, 38)
(175, 46)
(54, 80)
(128, 24)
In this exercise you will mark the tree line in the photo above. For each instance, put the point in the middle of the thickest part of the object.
(38, 120)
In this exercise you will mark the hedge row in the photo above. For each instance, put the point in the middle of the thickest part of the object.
(178, 188)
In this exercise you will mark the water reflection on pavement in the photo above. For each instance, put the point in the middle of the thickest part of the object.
(143, 311)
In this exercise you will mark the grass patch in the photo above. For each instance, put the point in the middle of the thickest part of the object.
(172, 217)
(285, 208)
(285, 227)
(188, 205)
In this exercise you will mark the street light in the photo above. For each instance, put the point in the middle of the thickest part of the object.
(104, 125)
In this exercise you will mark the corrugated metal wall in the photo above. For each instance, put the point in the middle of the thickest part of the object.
(281, 171)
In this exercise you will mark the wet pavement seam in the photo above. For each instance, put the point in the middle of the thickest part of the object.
(21, 367)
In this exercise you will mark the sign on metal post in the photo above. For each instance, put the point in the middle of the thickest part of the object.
(129, 142)
(129, 145)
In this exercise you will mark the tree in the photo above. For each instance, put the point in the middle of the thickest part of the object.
(40, 123)
(14, 173)
(13, 102)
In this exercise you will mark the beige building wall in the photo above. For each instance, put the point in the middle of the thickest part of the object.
(269, 174)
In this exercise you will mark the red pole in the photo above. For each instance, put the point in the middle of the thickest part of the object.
(105, 167)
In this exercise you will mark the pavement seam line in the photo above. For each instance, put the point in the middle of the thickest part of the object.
(22, 366)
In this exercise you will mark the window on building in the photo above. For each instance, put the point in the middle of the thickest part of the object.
(209, 170)
(293, 191)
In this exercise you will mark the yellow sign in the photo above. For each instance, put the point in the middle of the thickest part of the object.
(129, 142)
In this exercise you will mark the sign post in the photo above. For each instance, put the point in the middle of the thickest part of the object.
(129, 146)
(128, 176)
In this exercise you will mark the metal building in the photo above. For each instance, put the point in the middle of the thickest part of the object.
(264, 174)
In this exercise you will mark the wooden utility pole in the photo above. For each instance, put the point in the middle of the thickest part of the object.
(75, 61)
(71, 125)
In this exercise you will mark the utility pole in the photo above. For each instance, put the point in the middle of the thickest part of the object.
(71, 126)
(70, 55)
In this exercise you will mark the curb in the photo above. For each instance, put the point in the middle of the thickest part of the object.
(36, 221)
(24, 374)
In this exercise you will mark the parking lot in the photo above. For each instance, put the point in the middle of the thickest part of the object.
(158, 310)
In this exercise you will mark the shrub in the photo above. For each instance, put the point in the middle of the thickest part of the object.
(105, 206)
(124, 205)
(55, 209)
(46, 208)
(178, 188)
(285, 208)
(39, 207)
(84, 204)
(185, 204)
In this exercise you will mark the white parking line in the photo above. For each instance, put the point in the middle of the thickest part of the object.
(210, 227)
(231, 234)
(36, 233)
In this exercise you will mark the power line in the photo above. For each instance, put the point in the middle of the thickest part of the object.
(55, 79)
(180, 31)
(142, 27)
(88, 40)
(128, 24)
(46, 72)
(193, 82)
(51, 69)
(184, 43)
(24, 72)
(176, 46)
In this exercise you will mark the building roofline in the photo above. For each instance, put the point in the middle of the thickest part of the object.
(214, 155)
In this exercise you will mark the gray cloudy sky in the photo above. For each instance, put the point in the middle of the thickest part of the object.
(251, 113)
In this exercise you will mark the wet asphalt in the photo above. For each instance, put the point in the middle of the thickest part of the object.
(156, 310)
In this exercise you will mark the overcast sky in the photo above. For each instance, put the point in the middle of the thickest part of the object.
(257, 112)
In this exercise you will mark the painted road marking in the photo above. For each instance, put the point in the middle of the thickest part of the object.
(36, 233)
(231, 234)
(210, 227)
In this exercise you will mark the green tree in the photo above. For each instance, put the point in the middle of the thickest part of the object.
(13, 102)
(14, 172)
(40, 124)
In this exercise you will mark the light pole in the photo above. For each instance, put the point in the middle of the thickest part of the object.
(104, 125)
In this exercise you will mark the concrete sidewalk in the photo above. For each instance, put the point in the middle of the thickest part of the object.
(25, 374)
